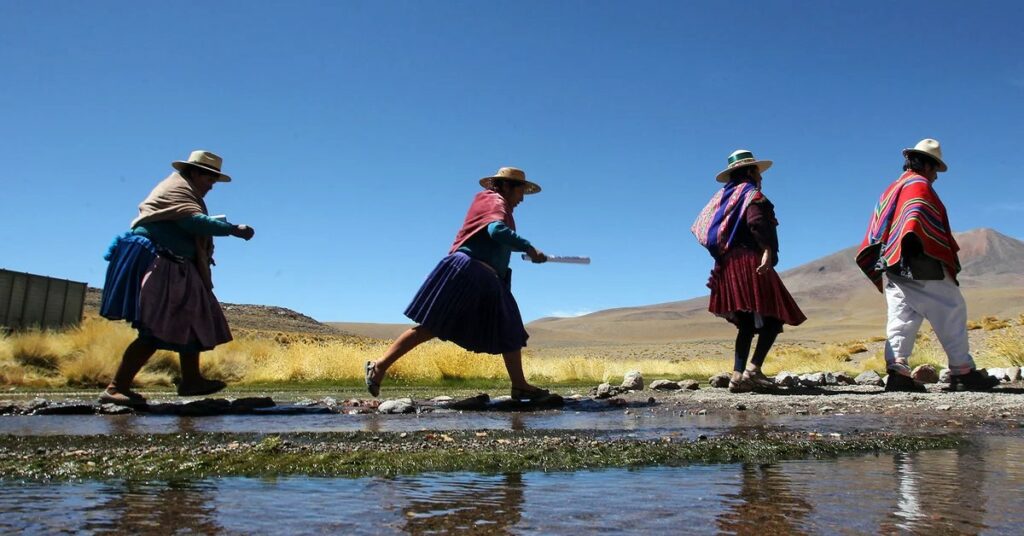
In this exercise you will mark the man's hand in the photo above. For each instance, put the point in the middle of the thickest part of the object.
(244, 232)
(536, 256)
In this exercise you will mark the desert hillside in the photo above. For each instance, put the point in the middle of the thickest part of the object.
(839, 302)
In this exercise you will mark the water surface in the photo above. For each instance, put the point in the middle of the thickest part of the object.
(973, 489)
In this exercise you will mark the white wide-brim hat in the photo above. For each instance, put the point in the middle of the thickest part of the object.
(204, 160)
(929, 148)
(742, 158)
(511, 174)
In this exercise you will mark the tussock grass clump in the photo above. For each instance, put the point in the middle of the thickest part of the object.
(1008, 346)
(39, 349)
(990, 323)
(854, 348)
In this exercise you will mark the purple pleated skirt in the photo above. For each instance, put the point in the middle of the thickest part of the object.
(464, 301)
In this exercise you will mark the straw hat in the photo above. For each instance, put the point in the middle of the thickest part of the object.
(929, 148)
(204, 160)
(511, 174)
(742, 158)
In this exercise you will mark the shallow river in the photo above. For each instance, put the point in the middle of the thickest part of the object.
(973, 489)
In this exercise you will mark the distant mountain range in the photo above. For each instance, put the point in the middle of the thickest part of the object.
(837, 298)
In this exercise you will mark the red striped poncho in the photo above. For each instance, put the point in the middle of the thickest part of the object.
(909, 205)
(488, 206)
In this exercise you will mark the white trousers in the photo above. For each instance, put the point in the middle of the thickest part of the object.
(910, 302)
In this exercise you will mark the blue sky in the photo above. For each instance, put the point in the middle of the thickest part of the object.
(357, 131)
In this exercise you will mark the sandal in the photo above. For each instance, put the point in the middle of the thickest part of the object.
(371, 386)
(758, 379)
(126, 398)
(204, 387)
(533, 395)
(742, 386)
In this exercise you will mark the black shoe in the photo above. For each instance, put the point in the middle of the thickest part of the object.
(905, 384)
(973, 381)
(203, 387)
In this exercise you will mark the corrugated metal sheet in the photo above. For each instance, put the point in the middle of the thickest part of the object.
(36, 301)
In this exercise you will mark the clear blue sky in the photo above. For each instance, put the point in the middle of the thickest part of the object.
(357, 131)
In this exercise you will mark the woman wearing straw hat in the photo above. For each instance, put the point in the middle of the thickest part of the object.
(738, 228)
(467, 299)
(159, 279)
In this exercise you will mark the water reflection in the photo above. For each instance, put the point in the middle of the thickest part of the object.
(973, 489)
(149, 508)
(481, 505)
(766, 503)
(939, 491)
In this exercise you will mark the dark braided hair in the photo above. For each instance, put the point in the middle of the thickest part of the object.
(742, 174)
(919, 162)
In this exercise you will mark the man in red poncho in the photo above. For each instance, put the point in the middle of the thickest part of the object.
(910, 243)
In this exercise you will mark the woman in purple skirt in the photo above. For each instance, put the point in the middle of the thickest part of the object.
(467, 299)
(159, 279)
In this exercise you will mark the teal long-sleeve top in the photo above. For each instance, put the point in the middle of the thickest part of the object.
(179, 235)
(494, 245)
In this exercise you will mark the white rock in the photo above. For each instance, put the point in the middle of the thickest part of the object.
(719, 380)
(664, 385)
(869, 377)
(398, 405)
(925, 374)
(691, 385)
(1013, 374)
(633, 381)
(786, 379)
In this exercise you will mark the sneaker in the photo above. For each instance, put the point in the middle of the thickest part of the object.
(899, 383)
(973, 381)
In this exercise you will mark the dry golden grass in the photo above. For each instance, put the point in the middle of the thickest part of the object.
(990, 323)
(88, 356)
(854, 348)
(1007, 346)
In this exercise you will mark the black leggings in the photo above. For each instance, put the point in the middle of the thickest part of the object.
(745, 336)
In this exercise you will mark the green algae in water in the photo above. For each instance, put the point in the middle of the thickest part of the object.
(358, 454)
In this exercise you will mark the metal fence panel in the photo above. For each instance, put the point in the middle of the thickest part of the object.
(6, 287)
(35, 301)
(74, 303)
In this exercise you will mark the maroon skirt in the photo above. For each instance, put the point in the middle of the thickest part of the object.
(736, 286)
(176, 310)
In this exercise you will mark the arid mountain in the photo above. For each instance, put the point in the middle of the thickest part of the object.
(839, 302)
(255, 317)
